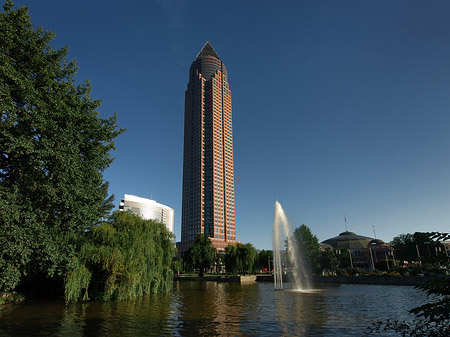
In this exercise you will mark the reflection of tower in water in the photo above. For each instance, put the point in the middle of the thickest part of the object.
(214, 308)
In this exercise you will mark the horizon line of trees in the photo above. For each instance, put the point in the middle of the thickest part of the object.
(203, 257)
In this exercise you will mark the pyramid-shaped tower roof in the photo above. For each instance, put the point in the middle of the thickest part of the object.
(207, 50)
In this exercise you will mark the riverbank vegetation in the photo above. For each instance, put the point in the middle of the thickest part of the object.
(240, 259)
(123, 258)
(55, 147)
(203, 257)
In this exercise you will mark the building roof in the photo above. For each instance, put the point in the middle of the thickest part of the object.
(377, 242)
(348, 240)
(143, 201)
(207, 50)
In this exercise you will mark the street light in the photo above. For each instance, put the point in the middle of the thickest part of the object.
(371, 257)
(428, 246)
(351, 261)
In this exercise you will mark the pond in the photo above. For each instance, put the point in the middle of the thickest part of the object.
(196, 308)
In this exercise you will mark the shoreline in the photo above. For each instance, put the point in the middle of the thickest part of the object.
(362, 279)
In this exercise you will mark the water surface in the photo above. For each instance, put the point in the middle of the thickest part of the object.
(218, 309)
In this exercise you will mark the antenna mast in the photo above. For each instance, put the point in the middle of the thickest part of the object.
(346, 223)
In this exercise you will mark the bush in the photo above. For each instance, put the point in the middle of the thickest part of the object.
(340, 272)
(352, 271)
(398, 270)
(383, 264)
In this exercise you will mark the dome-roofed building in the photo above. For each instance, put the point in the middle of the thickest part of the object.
(377, 242)
(349, 240)
(365, 251)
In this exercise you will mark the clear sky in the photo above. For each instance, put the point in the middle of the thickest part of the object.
(338, 106)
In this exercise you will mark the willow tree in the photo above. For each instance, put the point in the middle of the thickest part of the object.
(240, 258)
(123, 258)
(54, 148)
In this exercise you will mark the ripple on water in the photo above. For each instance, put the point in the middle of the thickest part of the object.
(218, 309)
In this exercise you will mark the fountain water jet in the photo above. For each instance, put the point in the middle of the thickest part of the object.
(299, 270)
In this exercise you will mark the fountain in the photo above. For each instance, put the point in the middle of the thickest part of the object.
(299, 269)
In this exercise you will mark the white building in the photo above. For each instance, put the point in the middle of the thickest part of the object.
(148, 209)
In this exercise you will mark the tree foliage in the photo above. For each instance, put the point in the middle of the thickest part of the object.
(123, 258)
(264, 257)
(329, 260)
(247, 254)
(201, 254)
(344, 258)
(405, 247)
(309, 245)
(417, 247)
(53, 150)
(177, 265)
(385, 264)
(240, 258)
(232, 261)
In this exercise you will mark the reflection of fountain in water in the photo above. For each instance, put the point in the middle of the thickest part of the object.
(299, 271)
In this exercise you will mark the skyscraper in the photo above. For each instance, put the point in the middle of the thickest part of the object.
(208, 173)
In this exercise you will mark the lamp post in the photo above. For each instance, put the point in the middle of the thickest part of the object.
(428, 246)
(350, 254)
(387, 261)
(393, 257)
(418, 254)
(371, 257)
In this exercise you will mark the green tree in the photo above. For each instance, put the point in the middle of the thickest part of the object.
(329, 260)
(344, 258)
(177, 265)
(240, 258)
(404, 247)
(232, 261)
(309, 246)
(201, 254)
(54, 148)
(247, 254)
(384, 265)
(265, 257)
(123, 258)
(417, 246)
(219, 261)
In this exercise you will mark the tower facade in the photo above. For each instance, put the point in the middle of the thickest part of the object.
(208, 173)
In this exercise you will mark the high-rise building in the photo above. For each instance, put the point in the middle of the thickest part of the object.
(208, 173)
(148, 209)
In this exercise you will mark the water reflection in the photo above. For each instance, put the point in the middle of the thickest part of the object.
(214, 309)
(218, 309)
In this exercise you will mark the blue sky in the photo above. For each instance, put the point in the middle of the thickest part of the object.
(338, 106)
